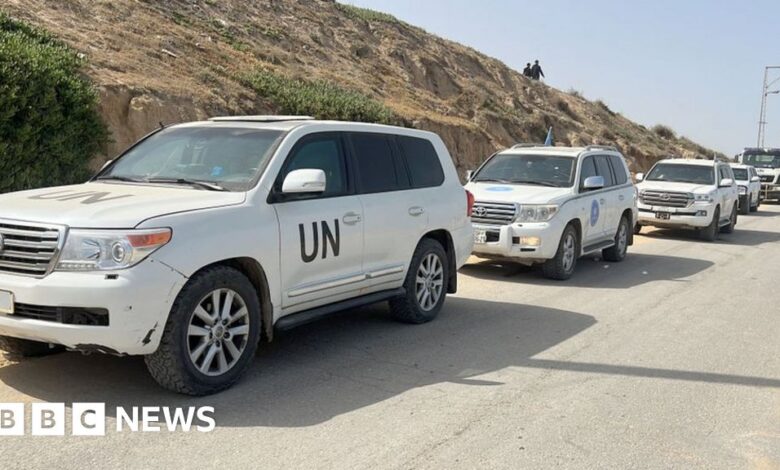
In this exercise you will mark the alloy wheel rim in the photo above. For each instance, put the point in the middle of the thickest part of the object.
(429, 283)
(568, 252)
(218, 332)
(622, 238)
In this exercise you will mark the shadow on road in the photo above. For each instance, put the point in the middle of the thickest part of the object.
(738, 237)
(636, 269)
(319, 371)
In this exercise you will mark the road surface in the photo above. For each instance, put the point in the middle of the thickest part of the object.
(670, 359)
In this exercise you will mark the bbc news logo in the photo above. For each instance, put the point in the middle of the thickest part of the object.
(89, 419)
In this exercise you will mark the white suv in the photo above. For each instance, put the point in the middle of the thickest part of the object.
(551, 205)
(748, 186)
(205, 236)
(697, 194)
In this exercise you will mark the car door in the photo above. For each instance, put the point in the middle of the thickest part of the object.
(396, 215)
(623, 188)
(728, 194)
(589, 203)
(321, 235)
(608, 199)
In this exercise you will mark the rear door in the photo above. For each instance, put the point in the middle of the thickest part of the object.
(608, 197)
(728, 195)
(623, 188)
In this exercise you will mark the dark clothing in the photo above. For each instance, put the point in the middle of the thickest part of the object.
(527, 71)
(536, 72)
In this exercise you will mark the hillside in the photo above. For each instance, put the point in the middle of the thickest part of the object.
(173, 60)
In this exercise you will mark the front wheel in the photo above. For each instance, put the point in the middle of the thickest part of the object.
(710, 233)
(16, 348)
(732, 222)
(561, 267)
(425, 284)
(211, 334)
(618, 251)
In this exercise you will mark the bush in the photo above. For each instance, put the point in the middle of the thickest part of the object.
(664, 132)
(49, 125)
(366, 14)
(318, 98)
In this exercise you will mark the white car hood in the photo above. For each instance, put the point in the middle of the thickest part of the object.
(675, 187)
(109, 205)
(518, 193)
(767, 171)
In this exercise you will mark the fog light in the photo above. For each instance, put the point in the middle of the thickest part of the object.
(701, 213)
(530, 241)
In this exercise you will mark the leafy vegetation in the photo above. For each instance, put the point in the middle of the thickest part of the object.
(664, 132)
(318, 98)
(49, 124)
(366, 14)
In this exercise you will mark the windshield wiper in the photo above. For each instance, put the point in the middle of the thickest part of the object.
(118, 178)
(492, 180)
(199, 184)
(540, 183)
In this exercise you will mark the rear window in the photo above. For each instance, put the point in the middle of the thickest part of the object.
(375, 163)
(620, 170)
(422, 161)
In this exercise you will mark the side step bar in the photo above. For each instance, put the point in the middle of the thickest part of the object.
(598, 246)
(307, 316)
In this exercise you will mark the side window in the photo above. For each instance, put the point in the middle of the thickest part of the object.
(619, 169)
(320, 152)
(724, 173)
(376, 167)
(422, 161)
(602, 169)
(588, 169)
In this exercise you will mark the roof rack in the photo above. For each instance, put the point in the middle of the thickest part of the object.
(270, 118)
(520, 146)
(601, 147)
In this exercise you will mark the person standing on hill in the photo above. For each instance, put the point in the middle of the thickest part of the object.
(536, 71)
(527, 70)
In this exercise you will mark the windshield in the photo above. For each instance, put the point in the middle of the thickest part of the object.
(740, 173)
(542, 170)
(762, 160)
(677, 173)
(228, 158)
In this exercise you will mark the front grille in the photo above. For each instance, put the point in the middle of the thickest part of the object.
(66, 315)
(666, 198)
(27, 248)
(493, 213)
(767, 178)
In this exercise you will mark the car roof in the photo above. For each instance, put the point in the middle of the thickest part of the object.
(555, 151)
(740, 165)
(689, 161)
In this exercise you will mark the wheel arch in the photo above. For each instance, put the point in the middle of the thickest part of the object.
(629, 215)
(444, 237)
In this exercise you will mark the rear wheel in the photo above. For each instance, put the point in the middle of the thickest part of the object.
(561, 267)
(637, 229)
(710, 233)
(617, 252)
(16, 348)
(426, 285)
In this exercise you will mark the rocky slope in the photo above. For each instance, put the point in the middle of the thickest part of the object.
(174, 60)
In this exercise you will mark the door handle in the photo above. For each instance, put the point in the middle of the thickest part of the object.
(351, 218)
(602, 201)
(416, 210)
(621, 197)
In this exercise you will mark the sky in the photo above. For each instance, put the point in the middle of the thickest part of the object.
(695, 65)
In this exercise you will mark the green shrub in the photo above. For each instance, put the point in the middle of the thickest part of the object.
(366, 14)
(318, 98)
(49, 125)
(664, 132)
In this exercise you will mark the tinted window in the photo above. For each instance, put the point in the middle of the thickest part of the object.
(588, 170)
(542, 170)
(376, 169)
(619, 169)
(422, 161)
(602, 168)
(681, 173)
(321, 153)
(741, 174)
(725, 172)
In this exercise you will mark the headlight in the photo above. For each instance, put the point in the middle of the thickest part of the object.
(704, 197)
(107, 250)
(742, 190)
(536, 213)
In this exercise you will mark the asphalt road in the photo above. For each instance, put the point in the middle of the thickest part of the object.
(670, 359)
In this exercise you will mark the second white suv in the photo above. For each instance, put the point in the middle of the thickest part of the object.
(205, 237)
(551, 205)
(749, 187)
(684, 193)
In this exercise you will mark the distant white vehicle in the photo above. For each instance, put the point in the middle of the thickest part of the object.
(749, 187)
(206, 236)
(551, 205)
(767, 164)
(696, 194)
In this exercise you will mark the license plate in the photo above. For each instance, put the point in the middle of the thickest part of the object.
(480, 236)
(663, 215)
(6, 302)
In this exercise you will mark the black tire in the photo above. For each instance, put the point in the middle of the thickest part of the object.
(16, 348)
(710, 233)
(637, 229)
(556, 268)
(732, 222)
(171, 365)
(409, 308)
(754, 208)
(744, 209)
(617, 253)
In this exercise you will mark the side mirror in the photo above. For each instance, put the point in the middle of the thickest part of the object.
(304, 181)
(639, 177)
(726, 182)
(593, 182)
(755, 179)
(469, 174)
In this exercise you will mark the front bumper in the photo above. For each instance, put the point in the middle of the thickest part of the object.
(138, 301)
(696, 215)
(506, 241)
(770, 191)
